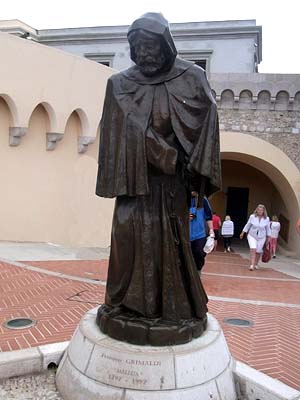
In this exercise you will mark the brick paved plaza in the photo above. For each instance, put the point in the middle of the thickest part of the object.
(57, 293)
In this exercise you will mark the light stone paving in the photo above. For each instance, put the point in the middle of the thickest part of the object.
(260, 278)
(32, 251)
(254, 302)
(285, 264)
(31, 387)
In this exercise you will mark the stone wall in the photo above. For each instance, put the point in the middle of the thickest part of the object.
(263, 105)
(282, 129)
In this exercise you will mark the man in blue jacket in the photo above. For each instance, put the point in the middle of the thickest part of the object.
(200, 217)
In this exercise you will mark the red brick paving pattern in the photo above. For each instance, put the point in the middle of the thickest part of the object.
(45, 299)
(271, 344)
(248, 289)
(92, 269)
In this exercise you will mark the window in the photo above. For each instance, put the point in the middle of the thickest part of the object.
(106, 63)
(201, 63)
(101, 58)
(199, 57)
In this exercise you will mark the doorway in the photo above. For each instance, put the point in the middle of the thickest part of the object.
(237, 207)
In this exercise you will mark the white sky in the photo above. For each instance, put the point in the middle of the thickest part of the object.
(280, 20)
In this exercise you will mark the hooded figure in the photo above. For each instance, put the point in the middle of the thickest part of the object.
(159, 140)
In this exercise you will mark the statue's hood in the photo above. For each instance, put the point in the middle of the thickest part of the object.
(157, 24)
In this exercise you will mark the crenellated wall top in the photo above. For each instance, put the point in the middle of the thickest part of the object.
(257, 91)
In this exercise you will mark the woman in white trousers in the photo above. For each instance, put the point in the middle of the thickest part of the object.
(258, 231)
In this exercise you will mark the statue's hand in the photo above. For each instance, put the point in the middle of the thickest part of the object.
(188, 165)
(190, 174)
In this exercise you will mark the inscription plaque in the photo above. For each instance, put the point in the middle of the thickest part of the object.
(141, 371)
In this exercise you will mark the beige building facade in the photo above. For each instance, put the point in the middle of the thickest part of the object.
(50, 108)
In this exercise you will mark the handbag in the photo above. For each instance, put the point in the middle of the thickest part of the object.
(209, 245)
(266, 256)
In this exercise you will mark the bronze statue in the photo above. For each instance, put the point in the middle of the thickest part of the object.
(159, 141)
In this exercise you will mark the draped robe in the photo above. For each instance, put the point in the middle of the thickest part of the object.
(158, 136)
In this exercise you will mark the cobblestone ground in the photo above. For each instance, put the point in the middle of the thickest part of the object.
(33, 387)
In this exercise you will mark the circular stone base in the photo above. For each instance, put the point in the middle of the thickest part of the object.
(96, 367)
(127, 327)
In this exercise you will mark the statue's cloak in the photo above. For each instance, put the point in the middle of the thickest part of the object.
(159, 139)
(127, 117)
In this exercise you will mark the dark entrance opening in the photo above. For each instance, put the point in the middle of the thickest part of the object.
(237, 207)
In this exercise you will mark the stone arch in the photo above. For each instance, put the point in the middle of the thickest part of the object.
(12, 108)
(245, 100)
(81, 125)
(275, 164)
(297, 101)
(85, 136)
(282, 101)
(227, 98)
(263, 100)
(84, 121)
(6, 109)
(52, 116)
(6, 119)
(53, 132)
(40, 115)
(47, 115)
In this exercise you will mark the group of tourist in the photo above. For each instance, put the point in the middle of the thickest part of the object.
(203, 220)
(259, 229)
(260, 232)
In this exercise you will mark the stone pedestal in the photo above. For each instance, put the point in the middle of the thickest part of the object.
(96, 367)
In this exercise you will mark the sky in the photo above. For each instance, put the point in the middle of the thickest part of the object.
(280, 21)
